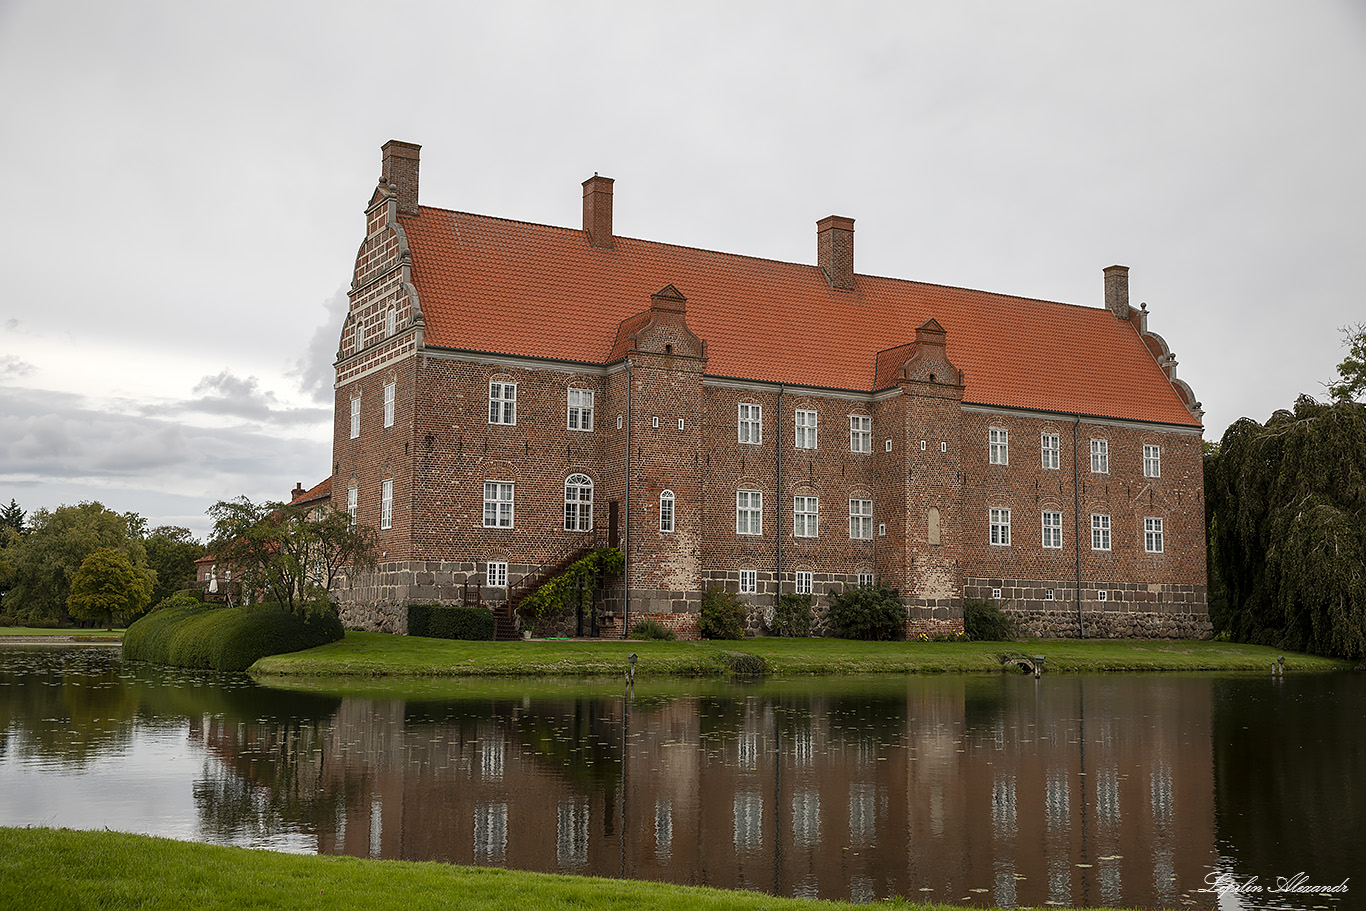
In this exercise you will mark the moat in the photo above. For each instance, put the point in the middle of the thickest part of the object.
(1136, 790)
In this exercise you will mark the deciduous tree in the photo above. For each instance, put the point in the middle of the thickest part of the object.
(108, 584)
(171, 552)
(1351, 382)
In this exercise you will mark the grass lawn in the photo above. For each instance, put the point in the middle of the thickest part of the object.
(74, 633)
(380, 654)
(60, 868)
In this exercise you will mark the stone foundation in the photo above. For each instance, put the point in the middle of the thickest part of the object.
(1112, 624)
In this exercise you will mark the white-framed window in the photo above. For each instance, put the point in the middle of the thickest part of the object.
(1052, 529)
(352, 500)
(680, 423)
(355, 418)
(881, 529)
(656, 422)
(1102, 595)
(1100, 531)
(391, 321)
(750, 423)
(578, 503)
(805, 516)
(502, 403)
(497, 575)
(1100, 456)
(803, 586)
(1152, 461)
(943, 446)
(386, 503)
(388, 404)
(996, 594)
(580, 409)
(497, 504)
(618, 422)
(860, 433)
(1048, 594)
(749, 582)
(998, 446)
(860, 519)
(1152, 535)
(666, 511)
(806, 429)
(1000, 526)
(865, 580)
(1049, 450)
(749, 512)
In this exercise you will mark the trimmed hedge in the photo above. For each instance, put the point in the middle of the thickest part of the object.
(450, 621)
(224, 638)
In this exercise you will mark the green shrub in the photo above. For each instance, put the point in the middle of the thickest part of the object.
(984, 621)
(868, 613)
(450, 621)
(723, 615)
(792, 617)
(226, 638)
(650, 629)
(745, 665)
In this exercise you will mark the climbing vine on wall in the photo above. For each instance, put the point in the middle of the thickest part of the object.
(559, 594)
(1286, 507)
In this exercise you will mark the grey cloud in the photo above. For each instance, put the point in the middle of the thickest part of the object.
(11, 366)
(314, 370)
(227, 395)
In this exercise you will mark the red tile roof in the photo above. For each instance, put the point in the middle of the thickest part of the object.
(494, 285)
(320, 491)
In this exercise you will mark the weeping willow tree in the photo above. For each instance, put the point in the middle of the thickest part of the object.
(1286, 505)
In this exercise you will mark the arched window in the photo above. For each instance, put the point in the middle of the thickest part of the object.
(578, 503)
(666, 511)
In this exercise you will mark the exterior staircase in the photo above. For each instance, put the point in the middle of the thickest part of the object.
(505, 614)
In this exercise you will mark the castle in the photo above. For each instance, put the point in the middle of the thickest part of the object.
(509, 395)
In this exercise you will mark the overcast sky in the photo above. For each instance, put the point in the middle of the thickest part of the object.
(185, 182)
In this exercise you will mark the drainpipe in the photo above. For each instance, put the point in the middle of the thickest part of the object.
(1076, 520)
(626, 520)
(778, 525)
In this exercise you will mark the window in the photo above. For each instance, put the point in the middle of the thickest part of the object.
(578, 503)
(865, 580)
(352, 497)
(497, 576)
(618, 422)
(391, 321)
(497, 504)
(1000, 526)
(1048, 594)
(750, 425)
(749, 582)
(998, 446)
(680, 423)
(1049, 448)
(386, 503)
(580, 409)
(1100, 456)
(1100, 532)
(388, 404)
(805, 516)
(502, 403)
(666, 511)
(806, 429)
(860, 433)
(656, 422)
(749, 512)
(1152, 535)
(860, 519)
(1052, 529)
(803, 586)
(1102, 595)
(996, 594)
(1152, 461)
(355, 418)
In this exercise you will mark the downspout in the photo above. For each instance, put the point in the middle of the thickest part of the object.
(1076, 520)
(626, 520)
(778, 525)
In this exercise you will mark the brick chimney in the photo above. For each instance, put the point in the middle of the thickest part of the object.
(835, 250)
(597, 211)
(400, 171)
(1117, 291)
(297, 492)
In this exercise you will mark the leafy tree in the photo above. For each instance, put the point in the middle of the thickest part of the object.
(171, 551)
(11, 528)
(1351, 382)
(107, 584)
(48, 556)
(1286, 513)
(288, 554)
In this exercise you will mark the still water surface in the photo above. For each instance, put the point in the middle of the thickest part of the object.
(1117, 790)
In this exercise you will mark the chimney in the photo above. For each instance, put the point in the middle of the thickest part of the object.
(1117, 291)
(400, 171)
(835, 250)
(597, 211)
(297, 492)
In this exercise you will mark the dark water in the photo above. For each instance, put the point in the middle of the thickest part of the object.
(1131, 791)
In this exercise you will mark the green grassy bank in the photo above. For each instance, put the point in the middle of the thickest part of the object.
(48, 632)
(379, 654)
(60, 868)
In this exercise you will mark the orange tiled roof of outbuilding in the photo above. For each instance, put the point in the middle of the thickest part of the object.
(507, 287)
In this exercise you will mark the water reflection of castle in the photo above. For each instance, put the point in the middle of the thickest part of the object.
(997, 790)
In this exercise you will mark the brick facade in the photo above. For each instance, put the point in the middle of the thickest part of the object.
(914, 445)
